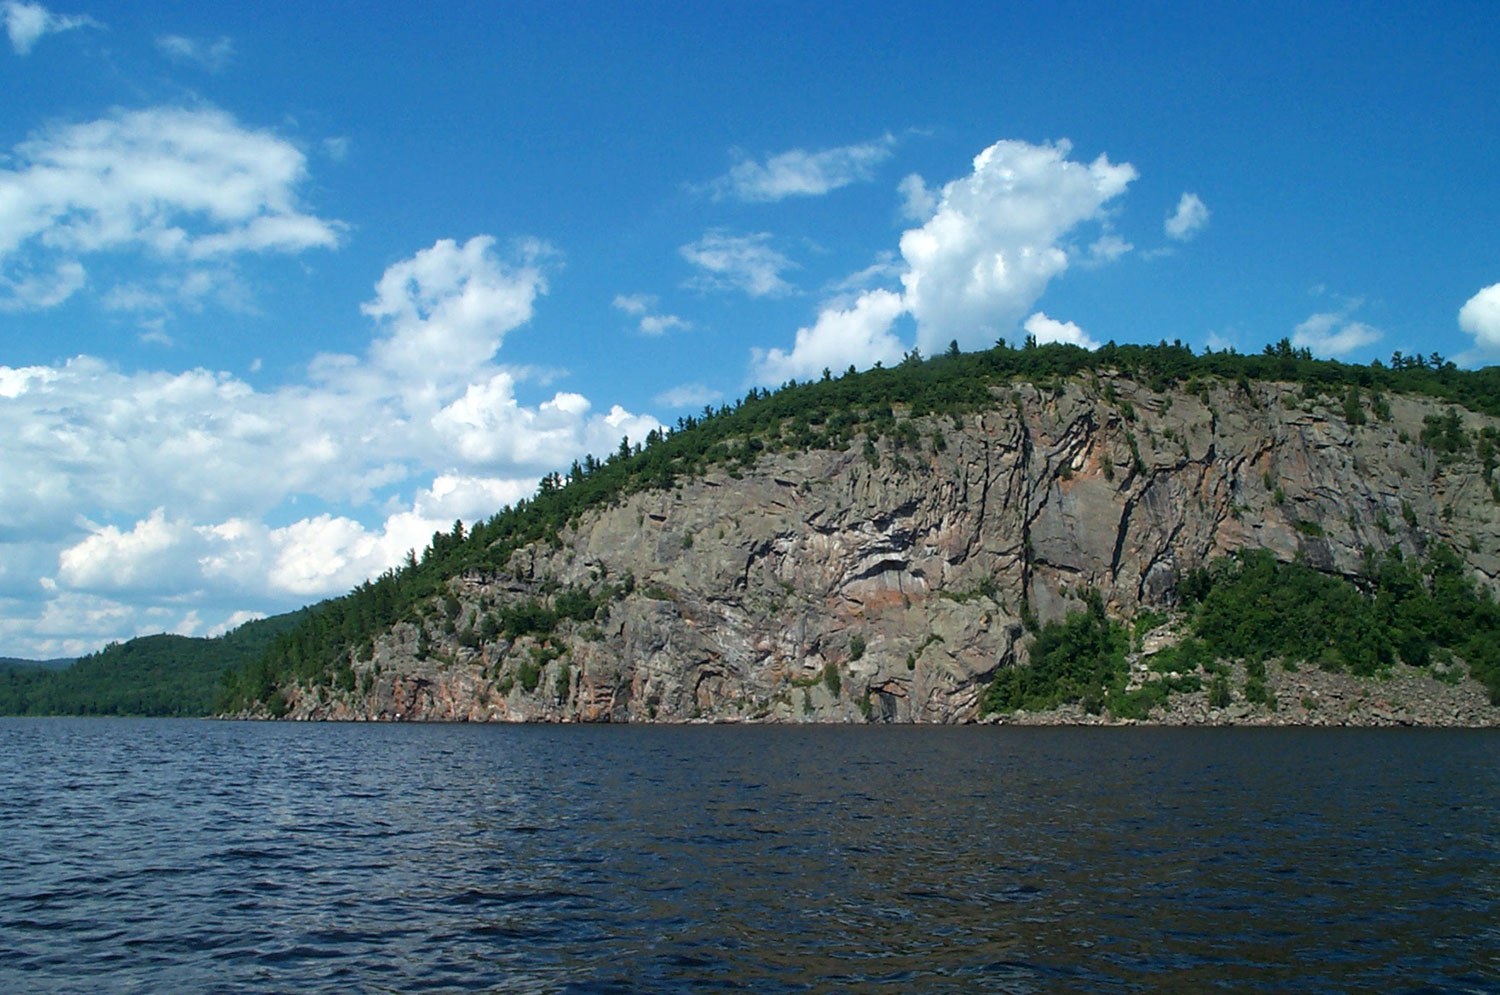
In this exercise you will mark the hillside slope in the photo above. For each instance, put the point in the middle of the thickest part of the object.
(890, 577)
(162, 675)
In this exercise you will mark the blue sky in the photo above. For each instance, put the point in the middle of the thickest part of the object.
(284, 290)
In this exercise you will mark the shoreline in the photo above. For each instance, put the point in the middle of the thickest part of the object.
(1308, 697)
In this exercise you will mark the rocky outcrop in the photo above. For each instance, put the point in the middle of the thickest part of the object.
(888, 584)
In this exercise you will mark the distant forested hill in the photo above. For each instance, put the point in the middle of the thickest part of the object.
(58, 664)
(149, 675)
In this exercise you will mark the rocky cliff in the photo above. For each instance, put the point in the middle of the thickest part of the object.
(888, 581)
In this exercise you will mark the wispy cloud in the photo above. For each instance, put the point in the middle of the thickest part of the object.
(800, 173)
(27, 23)
(649, 320)
(739, 262)
(1108, 248)
(688, 395)
(918, 203)
(212, 56)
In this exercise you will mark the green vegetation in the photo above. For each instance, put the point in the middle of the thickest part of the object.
(1252, 607)
(1080, 659)
(150, 675)
(831, 679)
(863, 409)
(1137, 704)
(856, 647)
(1444, 434)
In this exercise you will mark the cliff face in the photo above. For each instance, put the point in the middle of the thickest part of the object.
(888, 584)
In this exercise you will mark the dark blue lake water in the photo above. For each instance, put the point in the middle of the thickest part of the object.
(155, 856)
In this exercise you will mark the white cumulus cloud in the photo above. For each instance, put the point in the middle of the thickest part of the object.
(447, 309)
(799, 173)
(177, 187)
(26, 23)
(859, 334)
(1045, 330)
(240, 498)
(996, 239)
(988, 246)
(112, 559)
(1333, 333)
(1480, 317)
(1190, 217)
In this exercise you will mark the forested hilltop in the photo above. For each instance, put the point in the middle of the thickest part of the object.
(890, 544)
(151, 675)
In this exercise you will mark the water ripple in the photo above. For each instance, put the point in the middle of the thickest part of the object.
(223, 857)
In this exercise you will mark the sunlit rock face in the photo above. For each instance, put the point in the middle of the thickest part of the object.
(889, 586)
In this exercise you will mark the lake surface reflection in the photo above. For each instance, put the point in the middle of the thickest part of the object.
(178, 855)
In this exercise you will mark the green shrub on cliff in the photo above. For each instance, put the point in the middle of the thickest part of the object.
(1253, 607)
(1082, 657)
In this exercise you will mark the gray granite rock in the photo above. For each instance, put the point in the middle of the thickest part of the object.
(818, 587)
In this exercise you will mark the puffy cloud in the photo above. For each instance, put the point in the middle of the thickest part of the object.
(447, 309)
(1224, 341)
(210, 55)
(1108, 248)
(487, 427)
(26, 23)
(1331, 333)
(989, 244)
(178, 186)
(234, 621)
(112, 560)
(308, 558)
(188, 470)
(1480, 317)
(996, 239)
(1190, 217)
(84, 436)
(859, 334)
(642, 307)
(918, 203)
(799, 173)
(739, 262)
(1045, 329)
